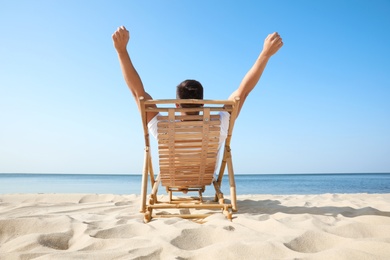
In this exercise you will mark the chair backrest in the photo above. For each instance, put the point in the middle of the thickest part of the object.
(188, 138)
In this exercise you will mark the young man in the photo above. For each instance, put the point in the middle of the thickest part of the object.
(191, 89)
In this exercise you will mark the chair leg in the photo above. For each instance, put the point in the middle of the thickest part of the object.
(153, 195)
(148, 215)
(144, 187)
(200, 196)
(227, 213)
(222, 168)
(232, 184)
(170, 196)
(218, 194)
(151, 172)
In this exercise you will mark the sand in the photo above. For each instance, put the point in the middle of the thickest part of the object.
(88, 226)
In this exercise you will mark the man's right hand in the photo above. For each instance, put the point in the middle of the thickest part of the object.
(121, 37)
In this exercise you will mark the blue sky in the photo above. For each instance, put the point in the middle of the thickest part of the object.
(322, 105)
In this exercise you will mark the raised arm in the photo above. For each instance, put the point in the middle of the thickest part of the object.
(121, 38)
(272, 44)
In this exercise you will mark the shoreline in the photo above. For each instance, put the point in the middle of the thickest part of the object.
(245, 184)
(140, 174)
(107, 226)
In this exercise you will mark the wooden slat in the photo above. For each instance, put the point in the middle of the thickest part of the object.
(186, 182)
(162, 130)
(186, 123)
(171, 134)
(193, 163)
(190, 166)
(188, 117)
(184, 156)
(182, 144)
(187, 151)
(213, 136)
(189, 101)
(187, 165)
(195, 152)
(186, 168)
(194, 179)
(187, 146)
(179, 161)
(191, 136)
(165, 173)
(164, 109)
(186, 177)
(186, 171)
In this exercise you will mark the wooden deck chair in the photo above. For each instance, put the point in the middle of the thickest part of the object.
(188, 148)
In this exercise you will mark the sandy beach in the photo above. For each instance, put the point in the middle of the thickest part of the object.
(88, 226)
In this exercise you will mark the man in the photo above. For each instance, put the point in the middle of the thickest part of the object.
(191, 89)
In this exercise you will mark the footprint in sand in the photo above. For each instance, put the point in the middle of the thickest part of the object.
(360, 230)
(147, 252)
(193, 239)
(122, 231)
(314, 241)
(58, 241)
(123, 203)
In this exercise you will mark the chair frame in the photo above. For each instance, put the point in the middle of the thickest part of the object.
(147, 207)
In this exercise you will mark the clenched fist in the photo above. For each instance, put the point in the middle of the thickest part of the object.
(272, 44)
(121, 37)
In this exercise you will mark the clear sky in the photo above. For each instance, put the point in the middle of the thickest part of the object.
(322, 105)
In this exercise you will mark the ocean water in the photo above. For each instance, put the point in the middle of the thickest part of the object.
(245, 183)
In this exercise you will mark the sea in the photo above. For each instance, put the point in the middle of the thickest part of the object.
(275, 184)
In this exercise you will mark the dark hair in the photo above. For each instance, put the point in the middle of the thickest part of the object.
(189, 89)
